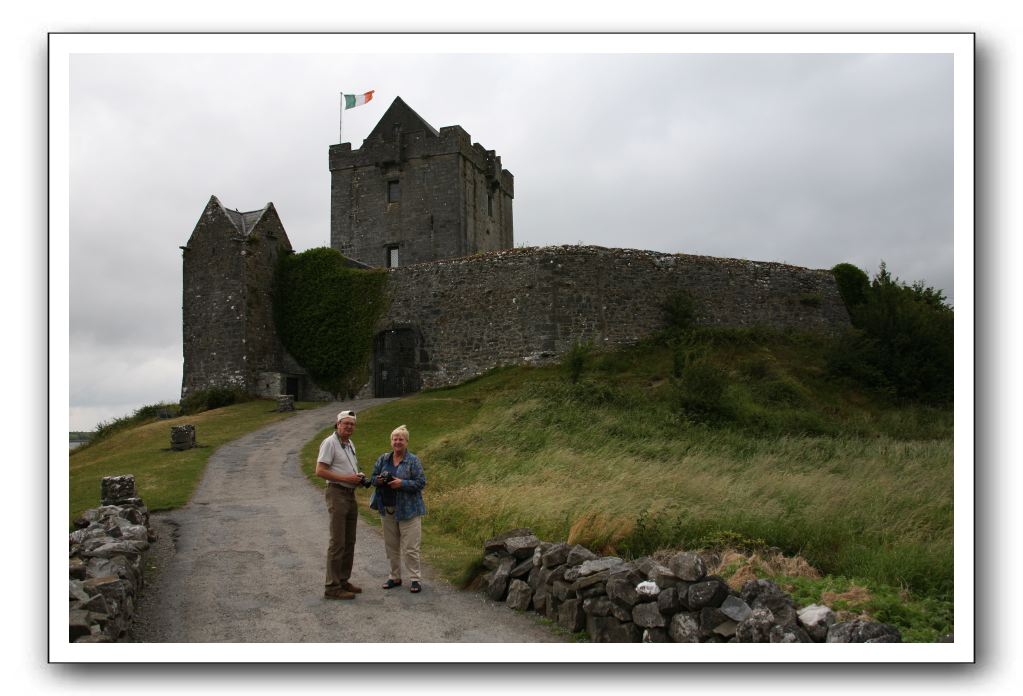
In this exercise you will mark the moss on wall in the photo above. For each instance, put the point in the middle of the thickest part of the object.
(325, 314)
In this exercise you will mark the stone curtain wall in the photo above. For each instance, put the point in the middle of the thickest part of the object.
(616, 601)
(531, 305)
(105, 560)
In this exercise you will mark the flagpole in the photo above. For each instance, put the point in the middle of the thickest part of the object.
(341, 119)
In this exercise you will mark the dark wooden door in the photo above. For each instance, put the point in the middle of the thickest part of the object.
(394, 363)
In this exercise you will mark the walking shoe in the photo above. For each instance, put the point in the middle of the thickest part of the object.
(391, 583)
(415, 587)
(338, 593)
(349, 587)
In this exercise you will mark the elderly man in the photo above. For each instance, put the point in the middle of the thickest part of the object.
(338, 464)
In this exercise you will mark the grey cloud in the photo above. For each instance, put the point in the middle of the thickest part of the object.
(808, 159)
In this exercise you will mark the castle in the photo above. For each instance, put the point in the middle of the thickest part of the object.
(436, 210)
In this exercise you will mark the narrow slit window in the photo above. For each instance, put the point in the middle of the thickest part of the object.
(392, 257)
(393, 191)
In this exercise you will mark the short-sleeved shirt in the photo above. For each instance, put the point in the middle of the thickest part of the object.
(339, 458)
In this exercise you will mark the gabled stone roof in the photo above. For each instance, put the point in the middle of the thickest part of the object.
(400, 114)
(243, 222)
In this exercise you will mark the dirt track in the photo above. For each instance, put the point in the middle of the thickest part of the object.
(244, 561)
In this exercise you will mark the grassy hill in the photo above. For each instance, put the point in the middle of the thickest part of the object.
(739, 443)
(165, 479)
(619, 454)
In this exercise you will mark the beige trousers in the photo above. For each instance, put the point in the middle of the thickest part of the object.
(401, 541)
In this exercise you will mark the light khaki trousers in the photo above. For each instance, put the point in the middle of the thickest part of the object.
(401, 541)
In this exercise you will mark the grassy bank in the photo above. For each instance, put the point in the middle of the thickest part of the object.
(165, 479)
(859, 487)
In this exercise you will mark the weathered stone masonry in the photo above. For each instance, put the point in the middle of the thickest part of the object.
(228, 334)
(464, 301)
(468, 315)
(427, 194)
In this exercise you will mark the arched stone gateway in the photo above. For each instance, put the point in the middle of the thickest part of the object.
(395, 368)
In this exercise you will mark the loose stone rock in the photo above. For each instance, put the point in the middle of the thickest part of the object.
(522, 569)
(668, 601)
(764, 594)
(655, 635)
(735, 609)
(685, 627)
(625, 632)
(622, 591)
(598, 565)
(647, 591)
(863, 632)
(597, 606)
(580, 554)
(817, 619)
(556, 555)
(519, 595)
(497, 544)
(499, 577)
(755, 628)
(789, 634)
(521, 547)
(571, 616)
(647, 615)
(708, 593)
(688, 566)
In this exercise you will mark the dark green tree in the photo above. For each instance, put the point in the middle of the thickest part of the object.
(904, 337)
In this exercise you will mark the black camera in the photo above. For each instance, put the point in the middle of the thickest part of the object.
(386, 479)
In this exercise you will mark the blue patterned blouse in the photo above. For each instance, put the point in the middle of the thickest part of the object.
(413, 481)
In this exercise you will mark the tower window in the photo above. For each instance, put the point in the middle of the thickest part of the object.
(393, 191)
(392, 256)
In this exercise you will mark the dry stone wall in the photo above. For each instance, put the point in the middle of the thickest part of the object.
(105, 563)
(617, 601)
(531, 305)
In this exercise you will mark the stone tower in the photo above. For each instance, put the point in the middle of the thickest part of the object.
(228, 334)
(412, 194)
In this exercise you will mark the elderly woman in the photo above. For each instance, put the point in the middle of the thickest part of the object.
(399, 480)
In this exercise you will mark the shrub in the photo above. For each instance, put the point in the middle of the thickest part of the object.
(143, 414)
(700, 392)
(853, 284)
(679, 313)
(214, 397)
(906, 340)
(576, 359)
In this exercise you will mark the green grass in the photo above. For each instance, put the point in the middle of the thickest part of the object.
(165, 479)
(859, 486)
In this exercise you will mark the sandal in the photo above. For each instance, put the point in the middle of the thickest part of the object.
(415, 587)
(391, 583)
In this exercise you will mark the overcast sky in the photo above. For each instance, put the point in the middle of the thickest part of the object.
(809, 159)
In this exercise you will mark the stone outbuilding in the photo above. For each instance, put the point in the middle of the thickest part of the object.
(228, 334)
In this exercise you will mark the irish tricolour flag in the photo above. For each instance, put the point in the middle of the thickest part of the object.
(354, 100)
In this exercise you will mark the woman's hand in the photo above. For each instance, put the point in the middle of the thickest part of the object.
(395, 484)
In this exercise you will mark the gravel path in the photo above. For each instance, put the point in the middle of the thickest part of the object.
(244, 562)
